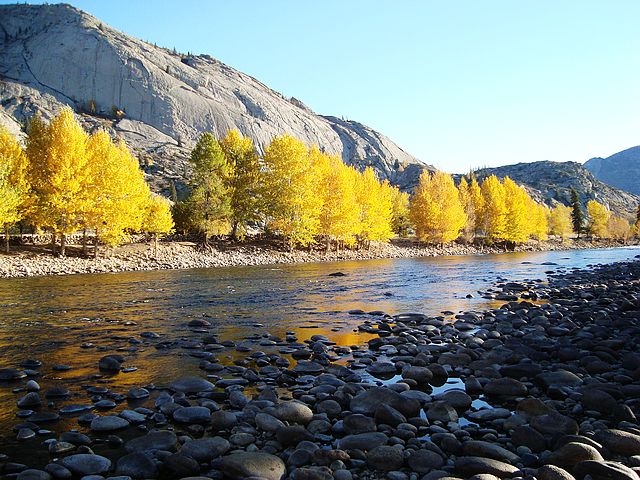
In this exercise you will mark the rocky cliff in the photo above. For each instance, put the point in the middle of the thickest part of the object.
(552, 182)
(160, 101)
(621, 170)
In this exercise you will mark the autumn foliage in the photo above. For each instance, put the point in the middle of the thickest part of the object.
(66, 181)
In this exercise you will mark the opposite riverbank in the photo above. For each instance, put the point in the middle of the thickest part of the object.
(37, 261)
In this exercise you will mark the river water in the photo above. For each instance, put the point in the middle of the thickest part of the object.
(74, 320)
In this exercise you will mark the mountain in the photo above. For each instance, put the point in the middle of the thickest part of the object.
(621, 170)
(552, 182)
(160, 101)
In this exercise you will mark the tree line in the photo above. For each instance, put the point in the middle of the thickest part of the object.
(65, 181)
(299, 193)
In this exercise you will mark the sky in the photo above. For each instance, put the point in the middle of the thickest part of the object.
(458, 84)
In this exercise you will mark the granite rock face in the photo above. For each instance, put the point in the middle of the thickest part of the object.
(160, 101)
(620, 170)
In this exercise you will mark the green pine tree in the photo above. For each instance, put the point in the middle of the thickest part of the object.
(577, 215)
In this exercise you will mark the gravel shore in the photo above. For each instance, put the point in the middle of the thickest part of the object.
(547, 390)
(180, 255)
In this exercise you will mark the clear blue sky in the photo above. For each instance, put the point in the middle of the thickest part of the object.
(458, 84)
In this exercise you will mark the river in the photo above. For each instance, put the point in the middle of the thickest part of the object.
(74, 320)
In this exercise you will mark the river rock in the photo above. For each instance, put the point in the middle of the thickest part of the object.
(385, 458)
(526, 436)
(479, 448)
(554, 424)
(108, 423)
(619, 441)
(110, 363)
(442, 412)
(137, 465)
(292, 435)
(11, 374)
(366, 402)
(32, 474)
(294, 412)
(382, 369)
(204, 450)
(572, 453)
(253, 464)
(488, 414)
(357, 423)
(603, 471)
(158, 440)
(505, 387)
(458, 399)
(551, 472)
(223, 420)
(424, 460)
(199, 415)
(179, 466)
(30, 400)
(422, 375)
(362, 441)
(560, 378)
(86, 464)
(388, 416)
(479, 465)
(268, 423)
(191, 385)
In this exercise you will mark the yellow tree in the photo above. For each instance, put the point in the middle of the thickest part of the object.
(339, 216)
(494, 210)
(244, 181)
(290, 181)
(14, 187)
(539, 226)
(619, 228)
(518, 216)
(400, 212)
(57, 174)
(436, 211)
(560, 223)
(376, 208)
(598, 216)
(157, 219)
(116, 190)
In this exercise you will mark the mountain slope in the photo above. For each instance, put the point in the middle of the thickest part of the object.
(621, 170)
(160, 101)
(553, 181)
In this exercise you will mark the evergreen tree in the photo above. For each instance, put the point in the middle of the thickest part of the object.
(436, 211)
(209, 202)
(244, 182)
(577, 215)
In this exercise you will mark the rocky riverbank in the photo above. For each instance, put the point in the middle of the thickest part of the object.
(179, 255)
(548, 391)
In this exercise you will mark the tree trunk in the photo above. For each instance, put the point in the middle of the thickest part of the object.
(84, 242)
(155, 245)
(205, 240)
(234, 231)
(328, 244)
(95, 245)
(63, 244)
(53, 244)
(6, 239)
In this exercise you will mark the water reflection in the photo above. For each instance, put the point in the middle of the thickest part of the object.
(75, 320)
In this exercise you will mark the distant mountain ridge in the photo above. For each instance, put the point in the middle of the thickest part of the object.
(552, 182)
(160, 101)
(621, 170)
